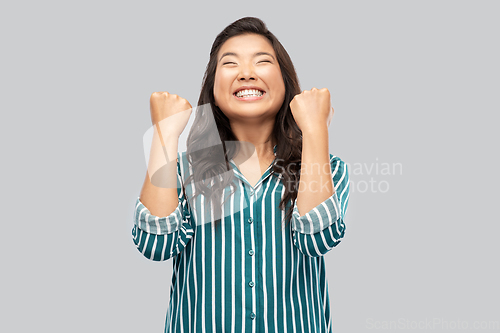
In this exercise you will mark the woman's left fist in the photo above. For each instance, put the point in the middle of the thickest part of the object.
(312, 109)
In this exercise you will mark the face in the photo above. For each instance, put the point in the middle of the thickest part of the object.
(248, 60)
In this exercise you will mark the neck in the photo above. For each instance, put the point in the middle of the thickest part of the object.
(255, 139)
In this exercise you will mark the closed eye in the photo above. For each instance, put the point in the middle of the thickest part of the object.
(235, 63)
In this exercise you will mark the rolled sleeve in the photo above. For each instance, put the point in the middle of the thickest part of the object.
(157, 225)
(318, 218)
(322, 228)
(161, 238)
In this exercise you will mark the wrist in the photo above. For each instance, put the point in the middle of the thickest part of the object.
(314, 131)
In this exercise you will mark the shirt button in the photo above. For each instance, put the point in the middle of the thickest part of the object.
(252, 315)
(251, 284)
(251, 192)
(250, 220)
(251, 252)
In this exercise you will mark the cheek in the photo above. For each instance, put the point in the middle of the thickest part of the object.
(221, 84)
(217, 90)
(274, 76)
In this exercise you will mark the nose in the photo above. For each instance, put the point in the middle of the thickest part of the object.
(246, 72)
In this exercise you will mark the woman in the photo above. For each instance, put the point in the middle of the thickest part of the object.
(249, 256)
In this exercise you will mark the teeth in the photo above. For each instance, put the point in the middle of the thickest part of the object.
(249, 92)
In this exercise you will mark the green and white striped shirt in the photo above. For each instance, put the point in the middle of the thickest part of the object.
(250, 274)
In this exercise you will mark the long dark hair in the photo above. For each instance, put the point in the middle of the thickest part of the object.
(208, 162)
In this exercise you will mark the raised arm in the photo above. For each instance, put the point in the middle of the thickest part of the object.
(162, 225)
(318, 212)
(169, 115)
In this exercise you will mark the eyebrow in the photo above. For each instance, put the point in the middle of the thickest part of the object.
(255, 55)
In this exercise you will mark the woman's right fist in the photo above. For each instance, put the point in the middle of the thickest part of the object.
(164, 105)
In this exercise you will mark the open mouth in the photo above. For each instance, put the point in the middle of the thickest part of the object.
(249, 94)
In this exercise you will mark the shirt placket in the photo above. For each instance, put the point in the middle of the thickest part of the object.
(251, 277)
(253, 245)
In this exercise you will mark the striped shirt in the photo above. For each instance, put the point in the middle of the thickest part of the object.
(249, 275)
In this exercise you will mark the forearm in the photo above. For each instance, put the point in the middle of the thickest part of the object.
(159, 191)
(316, 184)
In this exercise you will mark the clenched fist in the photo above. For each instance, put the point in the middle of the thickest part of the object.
(312, 109)
(171, 112)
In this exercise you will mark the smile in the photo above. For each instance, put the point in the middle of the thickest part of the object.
(249, 95)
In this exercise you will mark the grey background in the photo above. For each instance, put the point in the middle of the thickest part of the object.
(412, 82)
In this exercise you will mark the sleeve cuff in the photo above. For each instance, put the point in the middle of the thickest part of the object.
(152, 224)
(318, 218)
